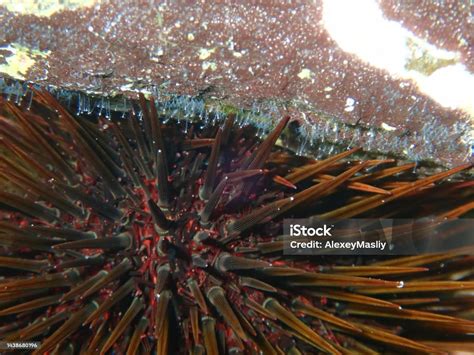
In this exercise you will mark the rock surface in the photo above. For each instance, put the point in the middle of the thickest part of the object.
(275, 56)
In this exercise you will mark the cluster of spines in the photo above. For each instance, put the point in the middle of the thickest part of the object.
(176, 244)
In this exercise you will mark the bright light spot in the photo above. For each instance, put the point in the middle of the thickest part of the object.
(350, 102)
(360, 28)
(205, 53)
(388, 127)
(209, 65)
(305, 74)
(451, 86)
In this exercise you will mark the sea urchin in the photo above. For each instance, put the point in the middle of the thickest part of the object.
(135, 236)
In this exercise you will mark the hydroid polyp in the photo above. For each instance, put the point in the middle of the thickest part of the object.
(136, 236)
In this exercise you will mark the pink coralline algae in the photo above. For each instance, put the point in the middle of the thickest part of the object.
(271, 57)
